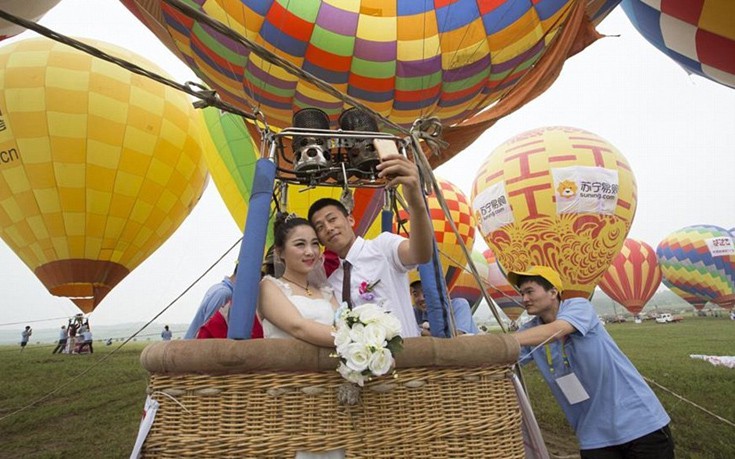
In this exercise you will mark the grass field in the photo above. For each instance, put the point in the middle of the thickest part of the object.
(98, 414)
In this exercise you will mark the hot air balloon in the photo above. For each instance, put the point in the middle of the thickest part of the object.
(404, 60)
(699, 36)
(466, 286)
(232, 164)
(450, 251)
(633, 276)
(700, 260)
(98, 166)
(557, 196)
(500, 290)
(32, 11)
(694, 300)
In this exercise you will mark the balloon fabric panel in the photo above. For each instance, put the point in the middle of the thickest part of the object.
(698, 35)
(107, 165)
(633, 276)
(500, 290)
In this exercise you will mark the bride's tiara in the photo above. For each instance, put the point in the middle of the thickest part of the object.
(290, 216)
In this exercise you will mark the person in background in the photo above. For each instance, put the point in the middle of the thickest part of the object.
(213, 300)
(377, 269)
(25, 336)
(87, 340)
(464, 322)
(608, 404)
(62, 341)
(73, 328)
(166, 333)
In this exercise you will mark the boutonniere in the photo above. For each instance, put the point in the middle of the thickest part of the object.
(366, 290)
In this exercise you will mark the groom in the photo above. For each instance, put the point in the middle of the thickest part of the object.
(377, 269)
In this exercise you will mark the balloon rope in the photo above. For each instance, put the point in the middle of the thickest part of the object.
(424, 165)
(716, 416)
(31, 321)
(114, 351)
(207, 96)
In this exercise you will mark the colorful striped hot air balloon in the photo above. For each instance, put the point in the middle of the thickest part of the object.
(700, 260)
(466, 286)
(633, 276)
(698, 35)
(450, 252)
(504, 294)
(403, 59)
(694, 300)
(560, 197)
(99, 165)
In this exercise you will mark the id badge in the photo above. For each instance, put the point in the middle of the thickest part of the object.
(572, 388)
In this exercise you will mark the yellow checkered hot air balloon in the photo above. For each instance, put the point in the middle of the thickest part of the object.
(98, 166)
(450, 251)
(556, 196)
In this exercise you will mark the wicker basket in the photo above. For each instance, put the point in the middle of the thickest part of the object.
(271, 398)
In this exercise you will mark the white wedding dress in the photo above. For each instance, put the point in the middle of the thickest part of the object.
(319, 309)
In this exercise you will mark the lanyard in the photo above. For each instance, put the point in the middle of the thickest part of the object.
(563, 355)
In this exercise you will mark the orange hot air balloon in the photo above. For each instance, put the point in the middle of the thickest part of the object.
(557, 196)
(633, 276)
(466, 286)
(500, 290)
(99, 165)
(450, 251)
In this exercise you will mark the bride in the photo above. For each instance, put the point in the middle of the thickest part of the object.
(298, 304)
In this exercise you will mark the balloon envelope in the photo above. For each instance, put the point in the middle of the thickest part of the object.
(560, 197)
(450, 251)
(700, 260)
(98, 166)
(466, 286)
(698, 35)
(633, 276)
(500, 290)
(30, 10)
(694, 300)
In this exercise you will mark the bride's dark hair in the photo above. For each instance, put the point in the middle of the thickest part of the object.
(283, 225)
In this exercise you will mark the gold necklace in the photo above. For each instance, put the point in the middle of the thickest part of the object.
(306, 289)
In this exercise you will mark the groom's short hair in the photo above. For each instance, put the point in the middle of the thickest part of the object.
(320, 204)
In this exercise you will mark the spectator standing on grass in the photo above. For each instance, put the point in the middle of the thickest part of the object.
(166, 333)
(24, 336)
(608, 404)
(87, 337)
(62, 341)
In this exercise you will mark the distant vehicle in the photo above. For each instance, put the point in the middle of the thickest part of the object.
(667, 318)
(617, 320)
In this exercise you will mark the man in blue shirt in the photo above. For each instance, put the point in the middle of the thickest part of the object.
(611, 408)
(216, 297)
(461, 307)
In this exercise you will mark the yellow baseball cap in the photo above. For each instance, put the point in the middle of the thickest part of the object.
(542, 271)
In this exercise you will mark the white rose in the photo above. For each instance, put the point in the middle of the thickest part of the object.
(380, 362)
(357, 357)
(356, 333)
(349, 375)
(374, 335)
(370, 313)
(392, 326)
(341, 339)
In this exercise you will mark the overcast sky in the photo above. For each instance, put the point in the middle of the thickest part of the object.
(677, 132)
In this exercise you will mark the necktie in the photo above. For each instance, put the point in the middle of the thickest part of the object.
(346, 282)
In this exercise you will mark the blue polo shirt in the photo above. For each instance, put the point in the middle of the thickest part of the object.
(621, 406)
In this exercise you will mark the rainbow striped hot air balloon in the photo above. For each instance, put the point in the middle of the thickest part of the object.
(557, 196)
(698, 35)
(504, 294)
(450, 252)
(700, 260)
(694, 300)
(105, 165)
(633, 276)
(466, 286)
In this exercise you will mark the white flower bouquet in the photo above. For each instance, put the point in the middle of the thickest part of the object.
(366, 337)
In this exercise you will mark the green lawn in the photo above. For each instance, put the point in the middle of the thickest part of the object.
(98, 414)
